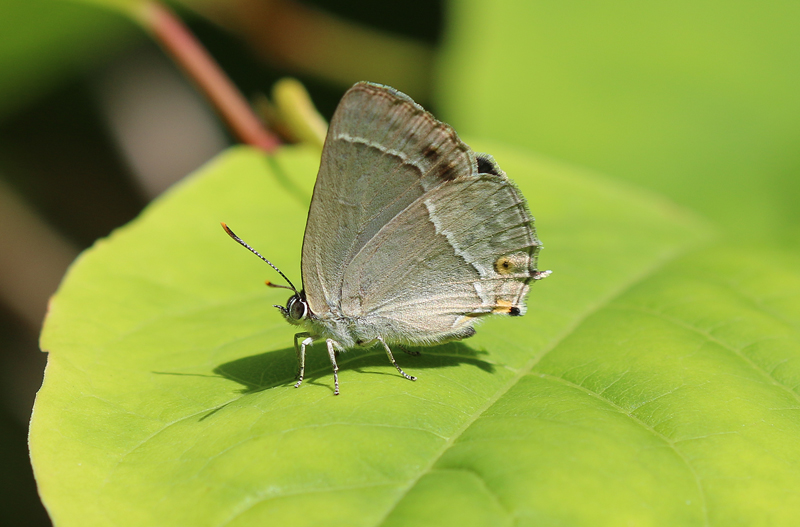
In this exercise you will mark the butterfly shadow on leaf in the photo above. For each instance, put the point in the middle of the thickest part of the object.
(278, 368)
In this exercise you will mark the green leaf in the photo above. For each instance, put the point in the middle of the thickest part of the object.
(632, 389)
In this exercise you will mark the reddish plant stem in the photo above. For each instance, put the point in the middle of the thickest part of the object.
(176, 39)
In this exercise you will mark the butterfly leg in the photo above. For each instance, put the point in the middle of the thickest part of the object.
(332, 354)
(301, 356)
(391, 358)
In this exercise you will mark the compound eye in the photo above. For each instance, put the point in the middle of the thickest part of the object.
(297, 308)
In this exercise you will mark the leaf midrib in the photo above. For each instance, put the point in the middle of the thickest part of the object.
(602, 302)
(524, 370)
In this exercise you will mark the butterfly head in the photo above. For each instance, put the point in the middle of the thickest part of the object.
(296, 308)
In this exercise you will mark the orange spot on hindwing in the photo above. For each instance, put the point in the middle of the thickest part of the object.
(512, 263)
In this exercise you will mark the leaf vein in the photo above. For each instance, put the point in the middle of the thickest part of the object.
(603, 301)
(647, 427)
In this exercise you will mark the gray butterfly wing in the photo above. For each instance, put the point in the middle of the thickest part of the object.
(382, 153)
(416, 237)
(464, 249)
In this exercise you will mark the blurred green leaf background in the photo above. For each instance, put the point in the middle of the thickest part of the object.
(696, 102)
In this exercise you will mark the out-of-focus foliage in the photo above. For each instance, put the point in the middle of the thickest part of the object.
(697, 100)
(47, 42)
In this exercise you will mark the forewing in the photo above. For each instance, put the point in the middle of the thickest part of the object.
(382, 153)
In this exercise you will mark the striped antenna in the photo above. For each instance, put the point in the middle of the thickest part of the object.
(244, 244)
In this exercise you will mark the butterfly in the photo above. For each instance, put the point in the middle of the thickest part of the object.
(411, 236)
